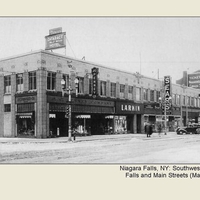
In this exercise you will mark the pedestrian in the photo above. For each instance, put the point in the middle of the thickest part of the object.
(147, 129)
(74, 135)
(159, 129)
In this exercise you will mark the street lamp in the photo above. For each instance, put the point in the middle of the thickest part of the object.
(69, 89)
(165, 102)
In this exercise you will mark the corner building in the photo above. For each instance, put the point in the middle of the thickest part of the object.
(32, 103)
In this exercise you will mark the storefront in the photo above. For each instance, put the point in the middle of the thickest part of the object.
(25, 116)
(129, 117)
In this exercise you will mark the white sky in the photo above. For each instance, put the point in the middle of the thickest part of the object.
(134, 44)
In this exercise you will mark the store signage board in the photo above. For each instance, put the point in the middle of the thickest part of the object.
(194, 80)
(167, 88)
(55, 41)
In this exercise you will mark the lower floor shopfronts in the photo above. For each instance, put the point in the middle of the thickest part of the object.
(90, 117)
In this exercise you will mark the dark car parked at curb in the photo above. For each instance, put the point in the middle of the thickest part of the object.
(192, 129)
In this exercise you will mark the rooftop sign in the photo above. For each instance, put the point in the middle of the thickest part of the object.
(56, 39)
(194, 80)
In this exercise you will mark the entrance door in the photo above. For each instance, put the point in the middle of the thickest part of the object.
(138, 123)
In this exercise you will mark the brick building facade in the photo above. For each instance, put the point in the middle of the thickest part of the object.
(32, 103)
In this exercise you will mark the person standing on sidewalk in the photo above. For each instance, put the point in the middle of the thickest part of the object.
(147, 129)
(159, 129)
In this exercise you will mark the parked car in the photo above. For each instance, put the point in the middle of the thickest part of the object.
(192, 129)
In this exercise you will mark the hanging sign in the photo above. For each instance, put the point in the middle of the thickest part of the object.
(95, 72)
(167, 88)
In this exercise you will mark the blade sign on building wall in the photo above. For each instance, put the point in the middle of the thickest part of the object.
(167, 88)
(56, 39)
(194, 80)
(95, 72)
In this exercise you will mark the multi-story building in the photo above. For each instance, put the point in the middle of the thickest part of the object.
(33, 104)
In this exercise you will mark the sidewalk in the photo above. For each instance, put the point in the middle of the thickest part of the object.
(85, 138)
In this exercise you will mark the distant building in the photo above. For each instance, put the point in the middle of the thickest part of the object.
(108, 101)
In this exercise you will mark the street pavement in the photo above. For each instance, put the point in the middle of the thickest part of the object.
(87, 138)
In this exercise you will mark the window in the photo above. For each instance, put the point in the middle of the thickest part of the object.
(173, 98)
(80, 85)
(66, 79)
(138, 94)
(7, 108)
(151, 95)
(7, 84)
(103, 88)
(157, 96)
(32, 80)
(19, 80)
(145, 92)
(51, 81)
(130, 92)
(184, 100)
(113, 90)
(192, 101)
(178, 99)
(90, 86)
(188, 101)
(195, 102)
(122, 91)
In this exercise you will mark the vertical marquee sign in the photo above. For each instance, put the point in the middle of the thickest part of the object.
(95, 72)
(56, 39)
(167, 88)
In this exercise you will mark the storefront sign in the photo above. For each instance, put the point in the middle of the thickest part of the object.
(95, 72)
(26, 99)
(55, 41)
(128, 108)
(55, 99)
(167, 87)
(93, 102)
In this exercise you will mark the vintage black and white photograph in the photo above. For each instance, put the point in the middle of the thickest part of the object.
(99, 90)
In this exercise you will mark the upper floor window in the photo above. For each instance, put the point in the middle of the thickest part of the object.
(51, 81)
(19, 80)
(184, 101)
(158, 95)
(7, 84)
(90, 85)
(173, 98)
(130, 92)
(7, 107)
(80, 85)
(66, 79)
(151, 95)
(113, 90)
(138, 94)
(192, 101)
(145, 92)
(178, 99)
(32, 80)
(103, 88)
(122, 91)
(188, 101)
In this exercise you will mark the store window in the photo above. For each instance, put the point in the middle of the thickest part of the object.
(7, 84)
(51, 81)
(19, 80)
(122, 91)
(7, 107)
(113, 90)
(130, 92)
(145, 92)
(103, 88)
(151, 95)
(138, 94)
(32, 80)
(80, 85)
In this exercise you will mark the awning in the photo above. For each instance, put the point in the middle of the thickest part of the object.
(83, 116)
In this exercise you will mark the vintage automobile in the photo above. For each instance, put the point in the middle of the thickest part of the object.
(191, 129)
